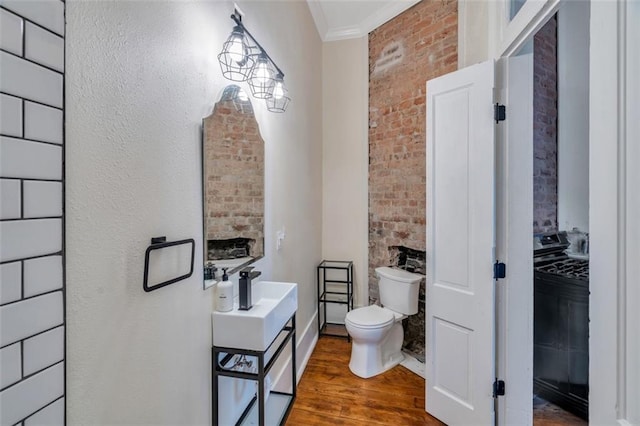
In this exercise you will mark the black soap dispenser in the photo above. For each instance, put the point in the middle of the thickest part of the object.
(210, 271)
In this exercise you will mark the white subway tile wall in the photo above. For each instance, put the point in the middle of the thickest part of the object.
(10, 282)
(52, 414)
(31, 81)
(44, 47)
(30, 160)
(10, 115)
(11, 27)
(47, 13)
(11, 199)
(42, 199)
(32, 322)
(10, 365)
(42, 275)
(30, 395)
(42, 123)
(23, 319)
(29, 238)
(35, 359)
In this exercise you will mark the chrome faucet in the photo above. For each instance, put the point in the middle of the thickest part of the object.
(246, 275)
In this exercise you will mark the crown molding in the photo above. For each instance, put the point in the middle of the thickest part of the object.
(377, 17)
(319, 18)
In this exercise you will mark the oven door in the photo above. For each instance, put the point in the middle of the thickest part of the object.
(561, 341)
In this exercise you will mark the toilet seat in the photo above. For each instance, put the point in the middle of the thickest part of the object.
(370, 317)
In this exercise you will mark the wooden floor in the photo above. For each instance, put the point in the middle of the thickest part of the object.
(329, 394)
(547, 414)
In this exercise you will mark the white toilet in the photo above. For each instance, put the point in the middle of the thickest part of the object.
(376, 332)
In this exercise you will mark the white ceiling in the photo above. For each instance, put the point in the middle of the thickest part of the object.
(343, 19)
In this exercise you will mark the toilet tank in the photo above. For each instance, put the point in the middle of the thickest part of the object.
(398, 289)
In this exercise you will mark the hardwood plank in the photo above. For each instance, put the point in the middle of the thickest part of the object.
(346, 393)
(329, 393)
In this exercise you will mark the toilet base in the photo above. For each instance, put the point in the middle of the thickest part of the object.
(365, 374)
(370, 359)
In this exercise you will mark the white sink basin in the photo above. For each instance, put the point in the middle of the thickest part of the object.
(273, 304)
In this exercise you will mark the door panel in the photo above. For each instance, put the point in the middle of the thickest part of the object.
(451, 376)
(461, 241)
(452, 231)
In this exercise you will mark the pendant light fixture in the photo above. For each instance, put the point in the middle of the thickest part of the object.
(279, 100)
(261, 80)
(236, 60)
(242, 61)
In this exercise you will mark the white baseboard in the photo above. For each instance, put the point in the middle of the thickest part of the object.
(304, 348)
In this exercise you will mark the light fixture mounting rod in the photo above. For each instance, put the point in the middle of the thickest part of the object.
(238, 21)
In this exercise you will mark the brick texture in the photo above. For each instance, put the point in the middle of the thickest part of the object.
(234, 176)
(545, 124)
(418, 45)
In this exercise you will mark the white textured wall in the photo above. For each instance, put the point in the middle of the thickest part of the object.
(141, 75)
(345, 156)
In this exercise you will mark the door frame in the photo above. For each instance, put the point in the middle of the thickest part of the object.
(614, 136)
(514, 218)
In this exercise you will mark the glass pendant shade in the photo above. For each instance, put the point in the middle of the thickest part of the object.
(241, 103)
(242, 95)
(261, 79)
(238, 98)
(236, 59)
(279, 100)
(243, 59)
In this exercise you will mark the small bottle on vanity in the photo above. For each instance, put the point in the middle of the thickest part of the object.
(224, 293)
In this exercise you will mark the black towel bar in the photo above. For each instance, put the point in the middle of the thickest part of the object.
(160, 243)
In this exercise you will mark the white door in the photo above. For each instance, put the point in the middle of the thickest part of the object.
(460, 246)
(514, 239)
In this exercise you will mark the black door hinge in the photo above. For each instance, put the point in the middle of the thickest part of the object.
(499, 112)
(499, 270)
(498, 388)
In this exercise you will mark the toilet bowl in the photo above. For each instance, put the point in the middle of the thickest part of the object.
(377, 336)
(376, 331)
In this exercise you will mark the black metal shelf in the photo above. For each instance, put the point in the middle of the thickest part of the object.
(282, 402)
(340, 293)
(335, 298)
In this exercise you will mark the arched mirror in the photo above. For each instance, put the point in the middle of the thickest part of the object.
(233, 184)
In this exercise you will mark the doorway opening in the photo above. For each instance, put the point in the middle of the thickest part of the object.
(561, 217)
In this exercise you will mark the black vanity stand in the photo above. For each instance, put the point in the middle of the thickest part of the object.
(285, 400)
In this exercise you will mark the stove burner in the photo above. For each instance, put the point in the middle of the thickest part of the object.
(570, 268)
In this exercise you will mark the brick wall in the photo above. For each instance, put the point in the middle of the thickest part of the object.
(234, 175)
(32, 314)
(545, 120)
(418, 45)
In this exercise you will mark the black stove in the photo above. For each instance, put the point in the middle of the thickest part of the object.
(571, 268)
(549, 257)
(561, 324)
